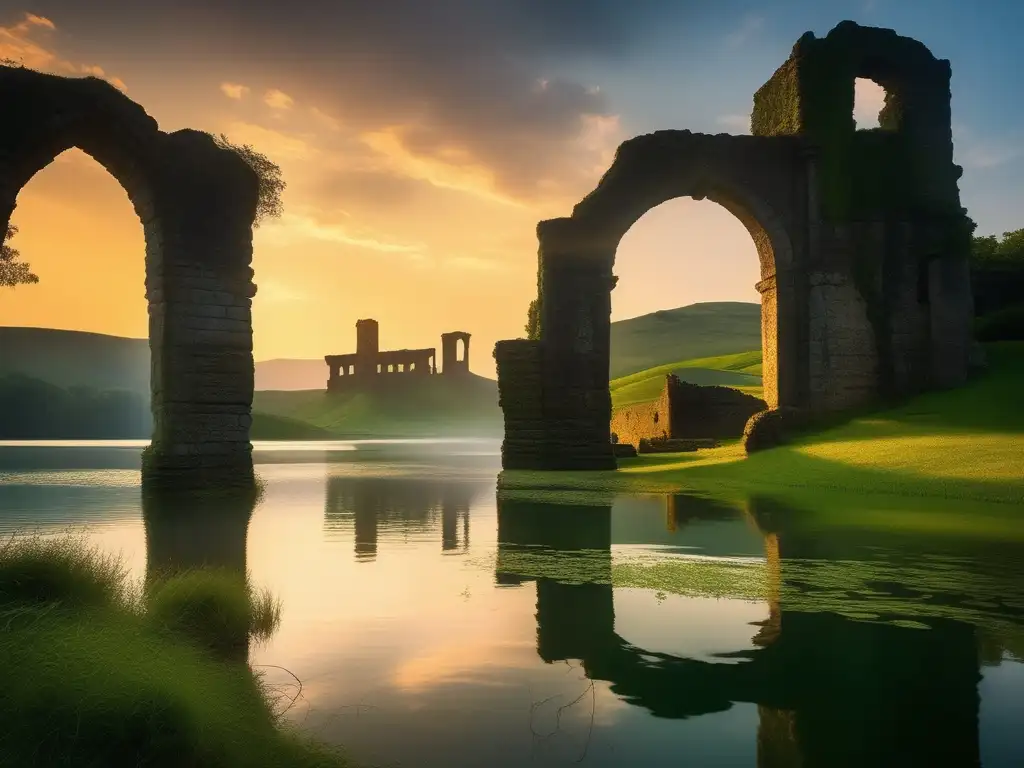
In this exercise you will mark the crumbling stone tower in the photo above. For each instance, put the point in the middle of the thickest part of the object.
(451, 364)
(862, 241)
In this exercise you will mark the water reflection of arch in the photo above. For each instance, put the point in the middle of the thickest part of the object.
(372, 507)
(830, 691)
(185, 531)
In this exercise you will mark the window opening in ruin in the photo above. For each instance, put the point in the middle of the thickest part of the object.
(379, 368)
(351, 369)
(401, 367)
(460, 351)
(58, 215)
(868, 101)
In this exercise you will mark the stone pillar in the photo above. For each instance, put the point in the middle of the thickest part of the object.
(521, 399)
(577, 277)
(199, 286)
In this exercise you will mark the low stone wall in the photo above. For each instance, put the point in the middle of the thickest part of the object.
(643, 421)
(709, 412)
(685, 411)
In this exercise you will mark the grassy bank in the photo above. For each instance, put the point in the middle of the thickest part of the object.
(964, 444)
(99, 671)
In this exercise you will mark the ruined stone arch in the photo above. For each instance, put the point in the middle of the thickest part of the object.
(197, 203)
(852, 229)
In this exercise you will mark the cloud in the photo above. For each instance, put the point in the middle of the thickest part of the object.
(276, 99)
(278, 293)
(292, 227)
(332, 123)
(234, 90)
(430, 76)
(735, 123)
(277, 145)
(19, 43)
(749, 26)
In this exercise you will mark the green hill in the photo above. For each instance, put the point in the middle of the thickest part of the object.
(696, 331)
(76, 358)
(436, 406)
(741, 371)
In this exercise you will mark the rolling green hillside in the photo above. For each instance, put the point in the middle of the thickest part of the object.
(437, 407)
(741, 371)
(696, 331)
(76, 358)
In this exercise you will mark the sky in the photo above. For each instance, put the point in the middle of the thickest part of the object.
(422, 142)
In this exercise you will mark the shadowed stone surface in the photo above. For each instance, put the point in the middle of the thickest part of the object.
(862, 241)
(197, 203)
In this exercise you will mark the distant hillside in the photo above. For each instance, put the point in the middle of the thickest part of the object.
(75, 358)
(697, 331)
(437, 407)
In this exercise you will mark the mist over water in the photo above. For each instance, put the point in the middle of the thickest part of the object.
(433, 621)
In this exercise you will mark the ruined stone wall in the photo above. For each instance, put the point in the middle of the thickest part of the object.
(708, 412)
(643, 421)
(521, 399)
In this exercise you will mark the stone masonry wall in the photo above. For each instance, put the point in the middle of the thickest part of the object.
(643, 421)
(709, 412)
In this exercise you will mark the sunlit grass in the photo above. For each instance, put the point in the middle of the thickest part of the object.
(741, 371)
(965, 444)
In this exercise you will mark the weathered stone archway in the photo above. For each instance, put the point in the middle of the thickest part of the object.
(197, 203)
(861, 237)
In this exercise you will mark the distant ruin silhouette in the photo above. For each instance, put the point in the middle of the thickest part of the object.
(368, 366)
(197, 203)
(863, 243)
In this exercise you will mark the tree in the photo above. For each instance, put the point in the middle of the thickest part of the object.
(12, 271)
(268, 173)
(993, 251)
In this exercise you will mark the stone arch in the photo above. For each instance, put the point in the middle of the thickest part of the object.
(761, 181)
(197, 203)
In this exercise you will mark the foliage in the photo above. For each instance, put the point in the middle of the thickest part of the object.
(36, 410)
(1007, 251)
(533, 320)
(213, 607)
(1006, 324)
(60, 569)
(272, 185)
(12, 271)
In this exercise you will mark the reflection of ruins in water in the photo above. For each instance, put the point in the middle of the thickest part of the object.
(188, 531)
(830, 690)
(375, 508)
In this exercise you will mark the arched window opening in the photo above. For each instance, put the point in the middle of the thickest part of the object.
(460, 350)
(79, 337)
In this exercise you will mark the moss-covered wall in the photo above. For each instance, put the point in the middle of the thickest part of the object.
(905, 166)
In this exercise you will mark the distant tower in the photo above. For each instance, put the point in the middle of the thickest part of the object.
(367, 346)
(451, 365)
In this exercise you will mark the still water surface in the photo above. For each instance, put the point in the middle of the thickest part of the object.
(433, 623)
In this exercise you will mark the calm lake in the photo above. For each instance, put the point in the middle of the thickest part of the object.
(434, 623)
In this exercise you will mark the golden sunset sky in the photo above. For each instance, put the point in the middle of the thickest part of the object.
(421, 143)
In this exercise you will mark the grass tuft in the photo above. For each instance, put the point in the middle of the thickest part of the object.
(95, 675)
